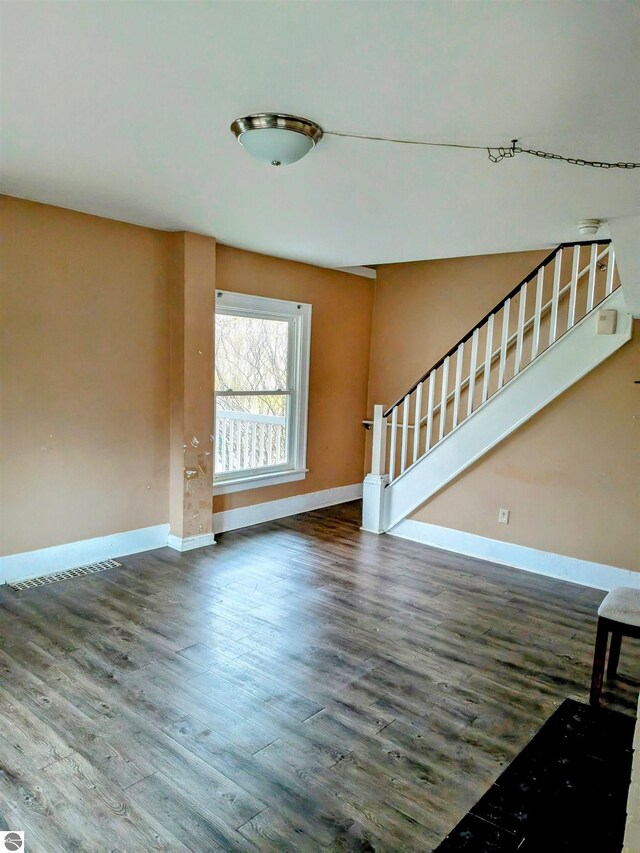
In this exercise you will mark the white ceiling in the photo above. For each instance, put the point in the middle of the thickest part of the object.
(122, 109)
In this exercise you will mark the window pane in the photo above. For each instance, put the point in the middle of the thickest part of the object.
(251, 432)
(251, 353)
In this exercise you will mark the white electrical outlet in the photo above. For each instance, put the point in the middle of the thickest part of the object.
(503, 516)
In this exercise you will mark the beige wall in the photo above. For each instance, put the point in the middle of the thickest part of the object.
(340, 341)
(422, 309)
(570, 475)
(86, 356)
(85, 400)
(192, 282)
(107, 341)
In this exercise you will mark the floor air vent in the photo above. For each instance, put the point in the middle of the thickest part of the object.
(91, 569)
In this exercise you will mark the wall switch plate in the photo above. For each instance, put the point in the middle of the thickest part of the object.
(503, 516)
(606, 324)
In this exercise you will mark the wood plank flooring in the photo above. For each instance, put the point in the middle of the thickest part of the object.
(300, 686)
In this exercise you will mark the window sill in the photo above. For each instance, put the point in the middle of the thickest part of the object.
(274, 478)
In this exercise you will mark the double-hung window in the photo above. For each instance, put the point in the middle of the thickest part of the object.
(261, 390)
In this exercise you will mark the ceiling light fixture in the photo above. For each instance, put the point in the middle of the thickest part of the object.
(276, 138)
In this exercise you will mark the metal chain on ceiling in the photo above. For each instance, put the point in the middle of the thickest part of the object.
(496, 155)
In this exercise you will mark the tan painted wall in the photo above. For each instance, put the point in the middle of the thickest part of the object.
(85, 401)
(192, 282)
(340, 341)
(569, 476)
(422, 309)
(87, 388)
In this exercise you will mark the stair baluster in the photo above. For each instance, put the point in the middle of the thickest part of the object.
(405, 433)
(503, 343)
(432, 389)
(458, 384)
(443, 398)
(555, 299)
(416, 421)
(487, 359)
(535, 343)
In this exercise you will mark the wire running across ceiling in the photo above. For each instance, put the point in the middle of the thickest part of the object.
(496, 155)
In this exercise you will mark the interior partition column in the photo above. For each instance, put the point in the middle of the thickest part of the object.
(192, 300)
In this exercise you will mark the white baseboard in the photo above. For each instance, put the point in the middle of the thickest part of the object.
(246, 516)
(190, 542)
(597, 575)
(58, 558)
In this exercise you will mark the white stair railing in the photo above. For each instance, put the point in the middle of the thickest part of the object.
(532, 317)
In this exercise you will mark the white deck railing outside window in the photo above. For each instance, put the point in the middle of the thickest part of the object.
(245, 441)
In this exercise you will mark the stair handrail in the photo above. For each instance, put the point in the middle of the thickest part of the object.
(512, 293)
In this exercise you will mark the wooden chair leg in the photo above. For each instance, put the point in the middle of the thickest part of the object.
(614, 654)
(599, 655)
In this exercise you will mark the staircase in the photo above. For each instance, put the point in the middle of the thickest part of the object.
(565, 318)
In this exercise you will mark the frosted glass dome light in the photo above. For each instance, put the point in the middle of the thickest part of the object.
(276, 138)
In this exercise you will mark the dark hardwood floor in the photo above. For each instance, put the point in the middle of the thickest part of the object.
(300, 686)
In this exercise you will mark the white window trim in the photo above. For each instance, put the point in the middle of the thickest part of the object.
(274, 478)
(299, 387)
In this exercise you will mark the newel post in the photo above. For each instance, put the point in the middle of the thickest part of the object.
(375, 482)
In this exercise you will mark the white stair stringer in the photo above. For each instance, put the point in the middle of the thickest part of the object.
(625, 233)
(555, 370)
